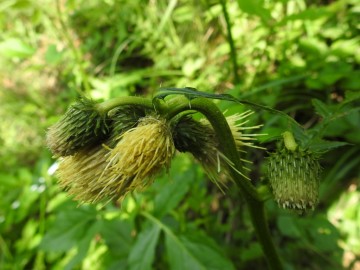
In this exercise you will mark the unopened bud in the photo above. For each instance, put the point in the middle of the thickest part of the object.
(294, 178)
(82, 125)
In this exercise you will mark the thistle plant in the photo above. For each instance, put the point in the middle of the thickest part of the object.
(112, 148)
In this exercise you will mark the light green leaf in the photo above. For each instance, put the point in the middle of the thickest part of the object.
(15, 47)
(312, 13)
(312, 45)
(143, 253)
(52, 55)
(256, 8)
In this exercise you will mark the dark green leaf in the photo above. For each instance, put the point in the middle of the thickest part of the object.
(196, 251)
(321, 108)
(192, 93)
(322, 145)
(288, 227)
(181, 175)
(83, 246)
(69, 228)
(254, 251)
(117, 236)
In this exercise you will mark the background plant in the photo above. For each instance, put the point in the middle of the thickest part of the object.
(301, 57)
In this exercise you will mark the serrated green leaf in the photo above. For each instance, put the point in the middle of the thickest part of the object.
(196, 251)
(321, 108)
(351, 96)
(324, 236)
(322, 145)
(312, 45)
(83, 246)
(69, 228)
(142, 254)
(117, 236)
(181, 175)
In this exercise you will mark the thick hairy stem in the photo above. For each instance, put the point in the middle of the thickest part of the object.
(258, 218)
(228, 147)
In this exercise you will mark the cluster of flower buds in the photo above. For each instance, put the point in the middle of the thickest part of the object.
(104, 156)
(294, 176)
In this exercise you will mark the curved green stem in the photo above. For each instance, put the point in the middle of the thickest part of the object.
(228, 147)
(106, 106)
(222, 129)
(231, 42)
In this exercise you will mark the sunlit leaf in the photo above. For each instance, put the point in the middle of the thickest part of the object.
(14, 47)
(69, 228)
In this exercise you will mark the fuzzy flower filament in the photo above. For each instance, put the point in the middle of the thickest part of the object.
(103, 173)
(199, 138)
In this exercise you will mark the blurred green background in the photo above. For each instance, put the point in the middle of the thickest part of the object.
(298, 56)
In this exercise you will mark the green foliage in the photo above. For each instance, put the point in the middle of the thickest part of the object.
(297, 57)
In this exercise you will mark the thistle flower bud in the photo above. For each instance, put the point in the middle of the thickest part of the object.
(79, 174)
(101, 173)
(82, 125)
(143, 151)
(122, 119)
(294, 178)
(199, 138)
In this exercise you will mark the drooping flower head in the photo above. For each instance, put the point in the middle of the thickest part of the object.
(79, 175)
(143, 151)
(102, 173)
(124, 150)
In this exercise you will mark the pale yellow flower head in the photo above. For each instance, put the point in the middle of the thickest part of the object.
(143, 151)
(140, 154)
(79, 174)
(101, 173)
